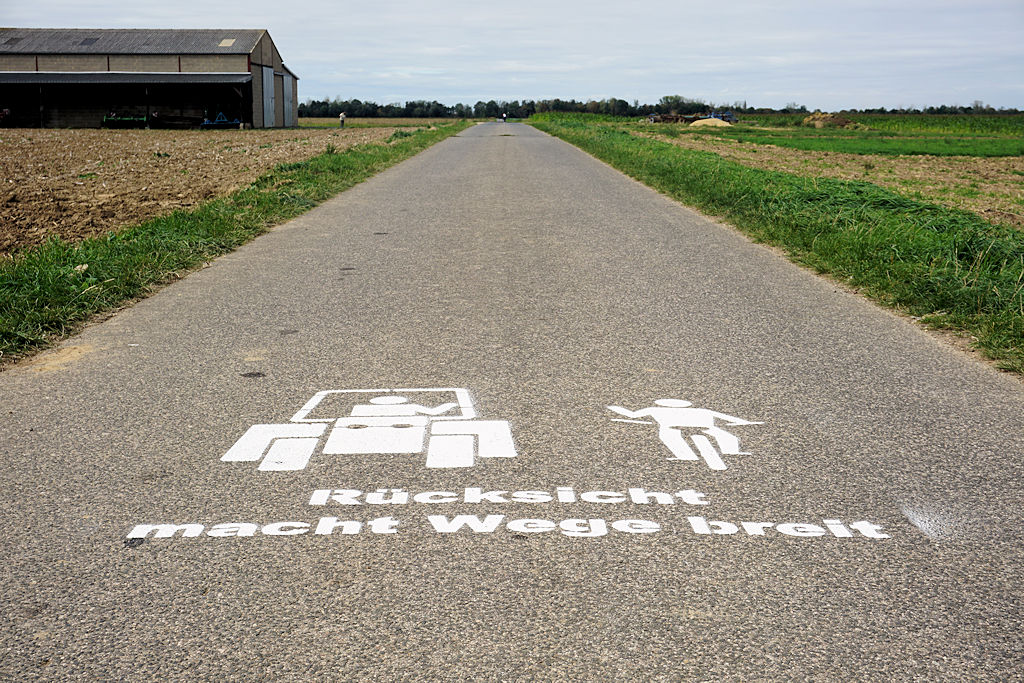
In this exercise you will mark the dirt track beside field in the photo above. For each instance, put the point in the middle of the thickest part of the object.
(84, 182)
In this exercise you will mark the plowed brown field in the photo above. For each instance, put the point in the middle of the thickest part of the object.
(82, 183)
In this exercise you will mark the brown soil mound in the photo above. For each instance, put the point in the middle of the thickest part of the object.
(710, 122)
(821, 120)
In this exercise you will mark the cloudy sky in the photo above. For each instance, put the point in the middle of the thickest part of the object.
(821, 53)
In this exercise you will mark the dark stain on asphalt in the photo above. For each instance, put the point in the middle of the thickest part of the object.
(133, 542)
(253, 374)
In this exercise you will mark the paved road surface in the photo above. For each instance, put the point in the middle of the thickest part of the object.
(456, 329)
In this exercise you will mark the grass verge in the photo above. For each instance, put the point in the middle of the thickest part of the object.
(948, 267)
(47, 292)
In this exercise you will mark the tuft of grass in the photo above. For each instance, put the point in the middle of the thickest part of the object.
(399, 134)
(48, 291)
(949, 267)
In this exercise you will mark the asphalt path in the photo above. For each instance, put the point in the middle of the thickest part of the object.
(795, 483)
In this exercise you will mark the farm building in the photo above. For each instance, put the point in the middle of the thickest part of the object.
(56, 78)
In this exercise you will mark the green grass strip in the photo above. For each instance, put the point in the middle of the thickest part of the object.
(949, 267)
(48, 291)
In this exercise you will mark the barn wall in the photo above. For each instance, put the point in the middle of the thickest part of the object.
(76, 106)
(257, 95)
(143, 63)
(71, 114)
(266, 53)
(72, 62)
(17, 63)
(213, 63)
(295, 100)
(193, 63)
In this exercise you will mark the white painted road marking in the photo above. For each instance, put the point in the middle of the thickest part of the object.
(258, 438)
(377, 435)
(676, 422)
(389, 423)
(321, 401)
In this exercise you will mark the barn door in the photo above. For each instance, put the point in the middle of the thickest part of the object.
(289, 119)
(268, 97)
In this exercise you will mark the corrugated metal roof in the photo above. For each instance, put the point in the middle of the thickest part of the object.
(129, 41)
(119, 77)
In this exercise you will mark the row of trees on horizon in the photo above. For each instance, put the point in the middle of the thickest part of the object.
(669, 104)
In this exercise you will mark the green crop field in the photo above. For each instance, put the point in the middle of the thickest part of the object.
(898, 137)
(953, 124)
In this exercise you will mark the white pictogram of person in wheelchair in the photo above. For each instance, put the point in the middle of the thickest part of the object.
(387, 424)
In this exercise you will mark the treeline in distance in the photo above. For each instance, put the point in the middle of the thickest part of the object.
(669, 104)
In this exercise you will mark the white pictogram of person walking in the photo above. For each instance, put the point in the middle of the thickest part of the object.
(679, 425)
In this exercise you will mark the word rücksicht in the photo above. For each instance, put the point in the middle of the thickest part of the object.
(475, 495)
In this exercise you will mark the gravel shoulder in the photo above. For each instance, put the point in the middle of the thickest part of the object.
(84, 182)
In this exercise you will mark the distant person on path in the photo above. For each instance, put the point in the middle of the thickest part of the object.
(504, 118)
(341, 120)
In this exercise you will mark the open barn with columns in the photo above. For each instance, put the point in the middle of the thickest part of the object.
(63, 78)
